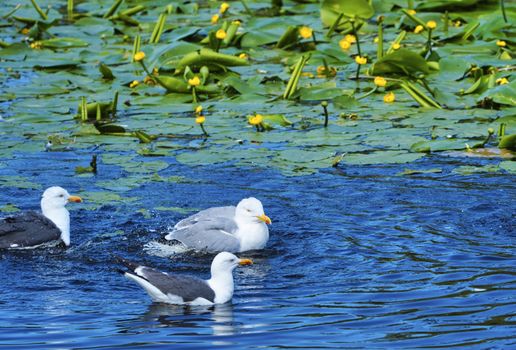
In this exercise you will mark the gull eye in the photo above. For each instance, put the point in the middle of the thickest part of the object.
(61, 195)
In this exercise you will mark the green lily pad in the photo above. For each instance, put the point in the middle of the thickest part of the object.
(401, 61)
(509, 166)
(381, 157)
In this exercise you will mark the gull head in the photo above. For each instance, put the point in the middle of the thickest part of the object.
(252, 209)
(57, 197)
(227, 262)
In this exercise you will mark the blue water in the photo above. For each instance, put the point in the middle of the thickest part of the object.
(358, 258)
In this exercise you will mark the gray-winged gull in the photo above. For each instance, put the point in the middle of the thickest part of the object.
(232, 229)
(179, 289)
(30, 229)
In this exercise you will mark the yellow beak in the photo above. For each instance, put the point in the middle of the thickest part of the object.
(265, 219)
(245, 262)
(75, 199)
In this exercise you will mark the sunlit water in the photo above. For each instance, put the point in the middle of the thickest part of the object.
(358, 257)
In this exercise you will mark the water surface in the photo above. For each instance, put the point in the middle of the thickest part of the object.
(358, 257)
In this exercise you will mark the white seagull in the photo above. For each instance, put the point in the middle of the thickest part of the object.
(31, 229)
(180, 289)
(233, 229)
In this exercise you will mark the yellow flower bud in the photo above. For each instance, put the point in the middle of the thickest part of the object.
(501, 43)
(360, 60)
(256, 119)
(200, 119)
(195, 81)
(431, 24)
(380, 81)
(220, 34)
(139, 56)
(344, 44)
(223, 7)
(396, 46)
(134, 83)
(198, 109)
(411, 12)
(389, 97)
(376, 40)
(243, 56)
(215, 18)
(305, 32)
(418, 29)
(502, 81)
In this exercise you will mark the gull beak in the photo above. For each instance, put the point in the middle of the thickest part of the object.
(75, 199)
(265, 219)
(245, 262)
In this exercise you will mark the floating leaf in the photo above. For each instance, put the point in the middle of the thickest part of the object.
(508, 142)
(381, 157)
(509, 166)
(503, 94)
(331, 9)
(420, 171)
(63, 43)
(402, 61)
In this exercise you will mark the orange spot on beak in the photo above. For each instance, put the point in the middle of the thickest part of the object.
(245, 262)
(75, 199)
(265, 219)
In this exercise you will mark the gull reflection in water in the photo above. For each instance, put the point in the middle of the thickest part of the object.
(219, 317)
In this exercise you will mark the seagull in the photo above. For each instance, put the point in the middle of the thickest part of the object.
(180, 289)
(31, 229)
(233, 229)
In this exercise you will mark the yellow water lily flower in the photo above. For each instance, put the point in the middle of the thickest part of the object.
(220, 34)
(215, 18)
(418, 29)
(380, 81)
(305, 32)
(200, 119)
(256, 119)
(344, 44)
(396, 46)
(457, 24)
(223, 7)
(35, 45)
(389, 97)
(360, 60)
(195, 81)
(134, 83)
(411, 12)
(139, 56)
(243, 56)
(350, 38)
(198, 109)
(502, 81)
(501, 43)
(431, 24)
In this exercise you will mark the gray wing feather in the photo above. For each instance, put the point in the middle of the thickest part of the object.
(187, 287)
(27, 230)
(213, 235)
(207, 214)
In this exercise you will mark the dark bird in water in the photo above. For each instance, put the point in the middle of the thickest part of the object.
(31, 229)
(179, 289)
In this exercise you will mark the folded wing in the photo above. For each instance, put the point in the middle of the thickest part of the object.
(186, 287)
(27, 230)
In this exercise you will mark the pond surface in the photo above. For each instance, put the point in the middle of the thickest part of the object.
(363, 255)
(358, 257)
